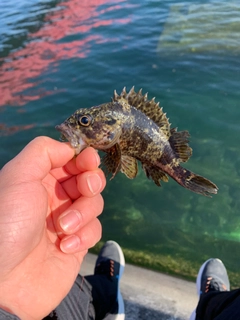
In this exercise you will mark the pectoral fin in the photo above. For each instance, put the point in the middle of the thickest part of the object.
(155, 174)
(129, 166)
(112, 160)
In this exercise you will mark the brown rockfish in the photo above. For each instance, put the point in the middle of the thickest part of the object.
(131, 128)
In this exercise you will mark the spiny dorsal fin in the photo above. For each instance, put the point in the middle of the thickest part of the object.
(149, 107)
(179, 143)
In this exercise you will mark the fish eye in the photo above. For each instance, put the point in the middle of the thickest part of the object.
(85, 120)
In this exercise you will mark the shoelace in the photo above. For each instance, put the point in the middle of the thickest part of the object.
(105, 267)
(214, 285)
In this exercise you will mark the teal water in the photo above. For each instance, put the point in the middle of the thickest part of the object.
(58, 56)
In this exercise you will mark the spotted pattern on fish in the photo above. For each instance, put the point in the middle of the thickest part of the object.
(132, 128)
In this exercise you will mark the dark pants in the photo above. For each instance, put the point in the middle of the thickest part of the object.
(91, 298)
(219, 306)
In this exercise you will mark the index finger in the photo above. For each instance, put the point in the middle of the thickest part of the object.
(87, 160)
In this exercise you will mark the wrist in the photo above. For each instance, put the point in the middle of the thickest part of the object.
(7, 315)
(8, 310)
(10, 302)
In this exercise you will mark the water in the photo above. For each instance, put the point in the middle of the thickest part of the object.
(58, 56)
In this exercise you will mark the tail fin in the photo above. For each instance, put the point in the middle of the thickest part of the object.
(194, 182)
(200, 185)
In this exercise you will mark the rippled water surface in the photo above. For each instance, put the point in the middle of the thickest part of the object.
(58, 56)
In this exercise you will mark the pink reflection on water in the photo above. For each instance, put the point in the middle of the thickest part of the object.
(45, 47)
(8, 130)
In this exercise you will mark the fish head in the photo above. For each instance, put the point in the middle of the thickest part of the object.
(98, 127)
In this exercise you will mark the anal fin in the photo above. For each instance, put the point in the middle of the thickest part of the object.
(155, 174)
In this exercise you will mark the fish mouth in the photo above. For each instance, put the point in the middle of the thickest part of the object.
(75, 140)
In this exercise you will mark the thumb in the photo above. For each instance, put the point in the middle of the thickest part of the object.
(40, 156)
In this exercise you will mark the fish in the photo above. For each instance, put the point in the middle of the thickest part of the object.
(131, 129)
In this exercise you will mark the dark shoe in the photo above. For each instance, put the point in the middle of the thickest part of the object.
(111, 262)
(212, 276)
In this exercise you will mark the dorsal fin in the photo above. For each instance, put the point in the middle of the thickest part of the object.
(149, 107)
(179, 143)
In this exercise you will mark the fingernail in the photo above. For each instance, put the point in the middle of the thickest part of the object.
(70, 220)
(97, 158)
(94, 183)
(70, 244)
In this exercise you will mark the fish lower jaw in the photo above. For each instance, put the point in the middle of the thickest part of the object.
(78, 145)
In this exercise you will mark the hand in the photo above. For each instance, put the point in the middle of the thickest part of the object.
(49, 203)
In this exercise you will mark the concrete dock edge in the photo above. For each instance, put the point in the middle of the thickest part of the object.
(150, 295)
